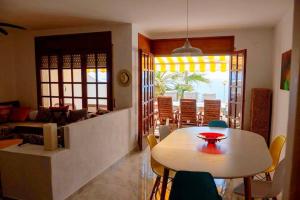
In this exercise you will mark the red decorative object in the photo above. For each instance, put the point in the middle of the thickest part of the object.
(211, 149)
(211, 137)
(4, 113)
(19, 114)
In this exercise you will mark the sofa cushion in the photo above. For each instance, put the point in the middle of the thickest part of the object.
(59, 115)
(19, 114)
(43, 115)
(77, 115)
(32, 138)
(32, 115)
(4, 113)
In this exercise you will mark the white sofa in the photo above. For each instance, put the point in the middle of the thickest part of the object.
(91, 146)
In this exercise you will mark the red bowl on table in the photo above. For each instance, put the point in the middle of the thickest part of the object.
(211, 137)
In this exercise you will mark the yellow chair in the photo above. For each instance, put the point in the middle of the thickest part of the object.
(275, 150)
(157, 168)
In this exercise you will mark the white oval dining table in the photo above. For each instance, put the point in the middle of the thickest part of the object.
(242, 154)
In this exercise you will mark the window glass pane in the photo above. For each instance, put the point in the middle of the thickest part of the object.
(54, 75)
(67, 76)
(91, 75)
(78, 104)
(44, 75)
(101, 59)
(44, 62)
(91, 61)
(53, 62)
(68, 90)
(76, 61)
(102, 75)
(55, 102)
(54, 90)
(102, 90)
(92, 105)
(102, 104)
(46, 102)
(91, 90)
(45, 90)
(68, 102)
(77, 90)
(67, 61)
(77, 75)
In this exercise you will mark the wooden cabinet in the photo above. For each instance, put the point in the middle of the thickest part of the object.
(260, 112)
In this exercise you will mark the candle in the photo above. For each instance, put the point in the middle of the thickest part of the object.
(50, 136)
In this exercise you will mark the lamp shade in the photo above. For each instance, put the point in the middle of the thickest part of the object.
(187, 50)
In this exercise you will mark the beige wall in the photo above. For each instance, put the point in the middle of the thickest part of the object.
(24, 64)
(282, 42)
(259, 43)
(7, 71)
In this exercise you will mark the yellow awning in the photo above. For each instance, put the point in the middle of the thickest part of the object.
(192, 64)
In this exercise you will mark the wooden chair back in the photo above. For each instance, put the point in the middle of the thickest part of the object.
(212, 111)
(188, 111)
(165, 108)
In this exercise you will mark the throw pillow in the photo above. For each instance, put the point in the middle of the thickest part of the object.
(32, 115)
(77, 115)
(32, 138)
(59, 115)
(4, 113)
(43, 115)
(19, 114)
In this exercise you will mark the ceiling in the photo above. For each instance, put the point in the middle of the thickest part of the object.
(152, 16)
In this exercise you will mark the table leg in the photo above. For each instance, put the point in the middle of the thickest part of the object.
(247, 186)
(164, 184)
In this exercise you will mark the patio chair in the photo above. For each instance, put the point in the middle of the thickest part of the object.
(212, 111)
(194, 186)
(157, 168)
(165, 110)
(188, 112)
(266, 189)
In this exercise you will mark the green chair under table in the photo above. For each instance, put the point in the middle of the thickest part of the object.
(217, 123)
(194, 186)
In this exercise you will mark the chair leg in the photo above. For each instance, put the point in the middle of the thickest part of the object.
(155, 186)
(268, 176)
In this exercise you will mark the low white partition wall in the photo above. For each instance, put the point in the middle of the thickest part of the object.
(91, 146)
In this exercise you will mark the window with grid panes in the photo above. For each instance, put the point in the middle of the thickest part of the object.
(80, 80)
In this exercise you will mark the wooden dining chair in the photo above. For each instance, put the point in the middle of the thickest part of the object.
(157, 168)
(165, 110)
(212, 111)
(188, 112)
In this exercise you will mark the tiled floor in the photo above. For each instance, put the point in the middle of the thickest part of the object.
(130, 178)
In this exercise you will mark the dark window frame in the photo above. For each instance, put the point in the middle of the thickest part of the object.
(82, 44)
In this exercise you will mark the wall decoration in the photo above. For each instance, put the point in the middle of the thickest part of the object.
(124, 77)
(286, 70)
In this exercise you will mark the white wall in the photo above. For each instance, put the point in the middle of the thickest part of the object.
(259, 43)
(7, 71)
(282, 42)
